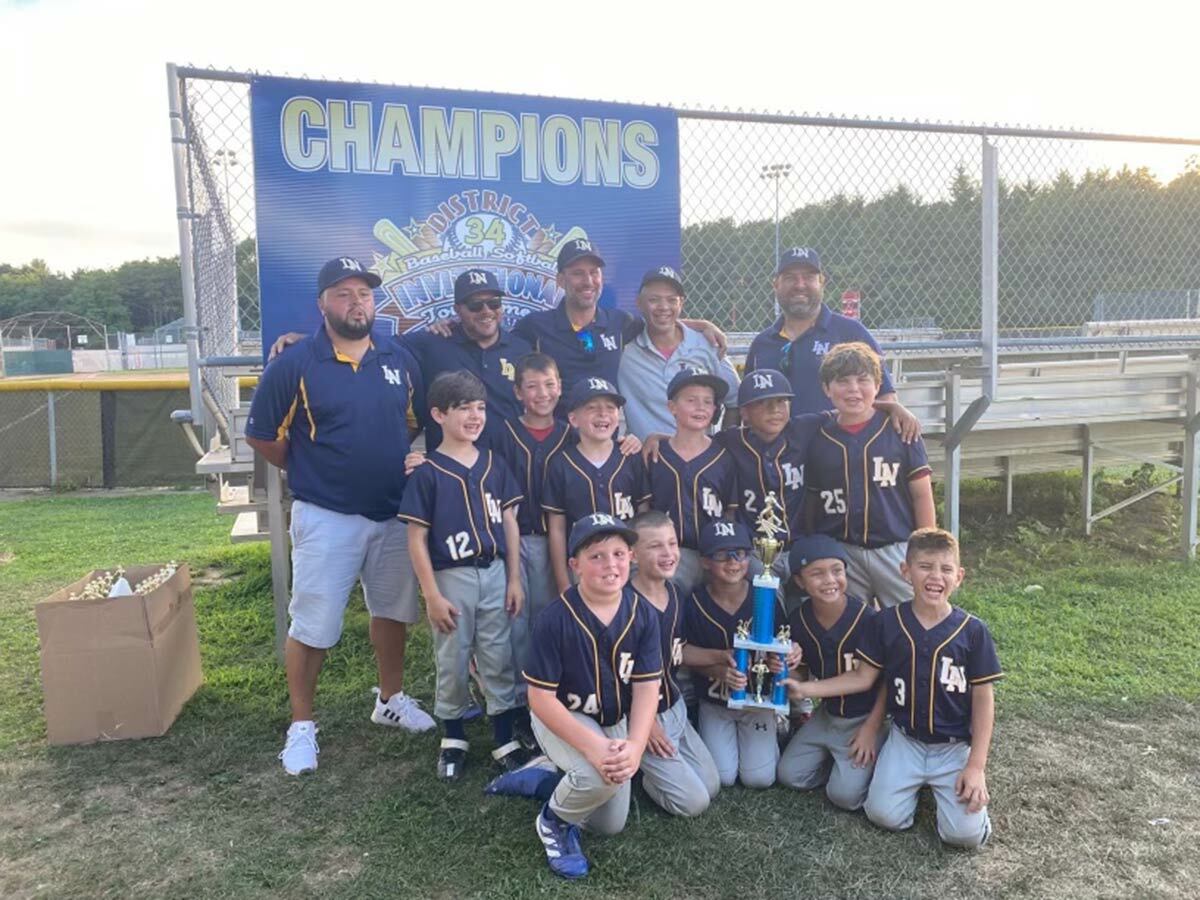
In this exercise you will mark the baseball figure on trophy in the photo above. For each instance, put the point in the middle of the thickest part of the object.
(756, 642)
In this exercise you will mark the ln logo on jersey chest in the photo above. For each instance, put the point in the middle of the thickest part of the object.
(507, 369)
(622, 506)
(885, 473)
(820, 348)
(711, 503)
(393, 376)
(610, 342)
(625, 668)
(495, 513)
(793, 476)
(953, 678)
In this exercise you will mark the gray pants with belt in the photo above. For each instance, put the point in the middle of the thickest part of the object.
(583, 797)
(905, 765)
(685, 783)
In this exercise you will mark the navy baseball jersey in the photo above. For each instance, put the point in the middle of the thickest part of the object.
(693, 492)
(800, 360)
(462, 508)
(590, 666)
(772, 466)
(346, 422)
(528, 459)
(707, 625)
(670, 633)
(860, 479)
(576, 487)
(833, 652)
(592, 350)
(929, 673)
(495, 366)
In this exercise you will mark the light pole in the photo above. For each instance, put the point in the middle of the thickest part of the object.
(225, 160)
(776, 172)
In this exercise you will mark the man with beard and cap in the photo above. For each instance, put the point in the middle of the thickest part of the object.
(798, 340)
(335, 410)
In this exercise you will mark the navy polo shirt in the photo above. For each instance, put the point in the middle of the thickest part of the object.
(495, 366)
(803, 363)
(549, 331)
(929, 672)
(590, 666)
(346, 423)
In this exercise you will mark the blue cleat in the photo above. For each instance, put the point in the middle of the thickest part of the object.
(563, 853)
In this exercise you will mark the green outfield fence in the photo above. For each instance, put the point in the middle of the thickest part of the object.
(97, 433)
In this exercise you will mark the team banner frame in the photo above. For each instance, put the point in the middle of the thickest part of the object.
(423, 183)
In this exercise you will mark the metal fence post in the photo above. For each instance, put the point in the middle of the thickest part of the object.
(953, 452)
(990, 264)
(53, 438)
(1191, 465)
(183, 215)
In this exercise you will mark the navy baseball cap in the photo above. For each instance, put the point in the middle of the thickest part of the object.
(809, 548)
(342, 268)
(799, 256)
(586, 389)
(693, 375)
(763, 384)
(667, 274)
(577, 249)
(598, 523)
(475, 281)
(724, 535)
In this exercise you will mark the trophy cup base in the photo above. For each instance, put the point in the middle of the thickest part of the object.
(773, 646)
(750, 703)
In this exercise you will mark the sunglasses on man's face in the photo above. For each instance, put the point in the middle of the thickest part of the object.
(492, 303)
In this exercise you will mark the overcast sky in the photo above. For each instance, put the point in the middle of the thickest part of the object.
(85, 163)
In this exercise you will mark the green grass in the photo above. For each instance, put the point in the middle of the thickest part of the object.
(1097, 737)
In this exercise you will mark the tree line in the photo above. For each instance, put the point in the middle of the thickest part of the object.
(915, 261)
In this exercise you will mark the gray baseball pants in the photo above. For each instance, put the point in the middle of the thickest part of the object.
(904, 766)
(685, 783)
(742, 743)
(583, 797)
(537, 580)
(819, 754)
(484, 630)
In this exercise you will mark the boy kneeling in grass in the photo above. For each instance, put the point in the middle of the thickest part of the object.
(836, 748)
(594, 671)
(678, 773)
(939, 664)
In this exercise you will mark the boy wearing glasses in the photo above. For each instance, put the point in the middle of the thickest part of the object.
(742, 742)
(803, 334)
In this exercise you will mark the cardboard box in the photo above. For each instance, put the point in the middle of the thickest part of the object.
(119, 667)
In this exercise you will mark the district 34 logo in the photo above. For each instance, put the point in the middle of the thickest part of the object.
(419, 261)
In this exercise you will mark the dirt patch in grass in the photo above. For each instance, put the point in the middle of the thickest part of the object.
(6, 557)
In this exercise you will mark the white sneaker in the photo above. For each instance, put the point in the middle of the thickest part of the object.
(401, 711)
(299, 754)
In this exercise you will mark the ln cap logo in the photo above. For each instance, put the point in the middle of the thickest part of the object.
(478, 277)
(762, 381)
(350, 265)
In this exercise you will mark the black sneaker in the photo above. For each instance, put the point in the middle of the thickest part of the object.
(511, 756)
(524, 733)
(452, 759)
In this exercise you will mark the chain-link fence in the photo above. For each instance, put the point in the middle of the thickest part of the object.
(92, 438)
(1090, 230)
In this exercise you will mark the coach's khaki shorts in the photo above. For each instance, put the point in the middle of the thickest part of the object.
(330, 551)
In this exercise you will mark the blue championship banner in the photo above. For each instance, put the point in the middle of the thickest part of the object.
(421, 184)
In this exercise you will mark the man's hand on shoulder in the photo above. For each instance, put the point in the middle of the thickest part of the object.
(283, 342)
